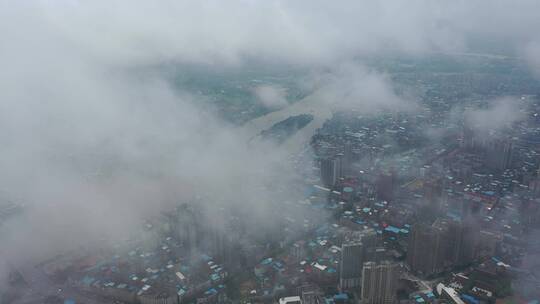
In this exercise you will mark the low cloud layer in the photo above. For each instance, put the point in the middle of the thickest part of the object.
(272, 97)
(96, 167)
(93, 147)
(498, 114)
(353, 86)
(299, 32)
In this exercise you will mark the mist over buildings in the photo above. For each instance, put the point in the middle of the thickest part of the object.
(92, 148)
(271, 96)
(497, 114)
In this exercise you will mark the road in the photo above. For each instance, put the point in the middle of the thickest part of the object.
(425, 286)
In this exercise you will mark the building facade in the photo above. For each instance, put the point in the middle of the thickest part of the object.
(379, 282)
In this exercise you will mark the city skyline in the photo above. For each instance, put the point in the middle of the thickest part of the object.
(261, 152)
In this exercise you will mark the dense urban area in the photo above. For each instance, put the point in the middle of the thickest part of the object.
(418, 206)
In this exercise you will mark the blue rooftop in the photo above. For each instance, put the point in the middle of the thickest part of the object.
(206, 257)
(341, 296)
(392, 229)
(453, 216)
(469, 299)
(211, 291)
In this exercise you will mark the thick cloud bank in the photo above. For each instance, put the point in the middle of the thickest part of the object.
(299, 32)
(92, 147)
(271, 96)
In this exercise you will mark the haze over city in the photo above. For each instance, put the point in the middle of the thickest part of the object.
(269, 151)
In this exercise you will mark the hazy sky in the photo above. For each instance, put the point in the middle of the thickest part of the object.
(226, 32)
(71, 110)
